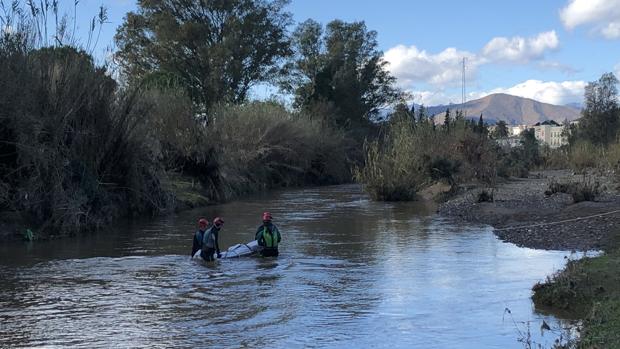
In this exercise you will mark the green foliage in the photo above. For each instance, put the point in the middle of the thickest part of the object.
(261, 145)
(501, 130)
(601, 116)
(72, 157)
(447, 121)
(588, 289)
(216, 50)
(412, 156)
(28, 235)
(584, 190)
(485, 196)
(513, 163)
(554, 158)
(391, 171)
(340, 65)
(444, 169)
(530, 148)
(402, 112)
(584, 155)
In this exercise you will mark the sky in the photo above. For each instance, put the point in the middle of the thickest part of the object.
(546, 50)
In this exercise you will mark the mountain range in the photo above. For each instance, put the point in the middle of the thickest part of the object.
(511, 109)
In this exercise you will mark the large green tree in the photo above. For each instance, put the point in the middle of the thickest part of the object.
(601, 115)
(530, 148)
(501, 129)
(215, 49)
(342, 66)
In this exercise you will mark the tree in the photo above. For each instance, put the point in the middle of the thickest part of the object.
(447, 120)
(529, 147)
(340, 65)
(501, 129)
(422, 117)
(601, 116)
(481, 128)
(216, 50)
(401, 112)
(459, 115)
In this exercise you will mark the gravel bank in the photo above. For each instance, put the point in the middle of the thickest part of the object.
(522, 202)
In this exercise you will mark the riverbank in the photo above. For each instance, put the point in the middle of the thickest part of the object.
(587, 289)
(523, 214)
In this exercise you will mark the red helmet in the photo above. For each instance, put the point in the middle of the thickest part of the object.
(267, 216)
(203, 223)
(218, 221)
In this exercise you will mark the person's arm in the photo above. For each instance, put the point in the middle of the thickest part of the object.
(195, 245)
(259, 236)
(217, 244)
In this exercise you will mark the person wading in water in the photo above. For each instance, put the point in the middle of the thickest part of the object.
(268, 236)
(199, 235)
(210, 241)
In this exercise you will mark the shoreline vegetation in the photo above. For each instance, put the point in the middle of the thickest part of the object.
(169, 124)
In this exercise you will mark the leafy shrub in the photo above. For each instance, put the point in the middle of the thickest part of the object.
(485, 196)
(443, 168)
(411, 156)
(77, 158)
(585, 190)
(584, 155)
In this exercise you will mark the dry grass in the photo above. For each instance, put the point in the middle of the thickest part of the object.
(410, 157)
(261, 145)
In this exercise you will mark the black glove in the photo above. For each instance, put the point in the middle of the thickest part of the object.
(219, 255)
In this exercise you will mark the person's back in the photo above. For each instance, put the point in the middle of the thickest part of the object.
(268, 236)
(199, 235)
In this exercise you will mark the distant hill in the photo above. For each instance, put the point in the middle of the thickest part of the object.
(575, 105)
(511, 109)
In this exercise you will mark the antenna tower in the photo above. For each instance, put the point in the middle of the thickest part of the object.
(463, 90)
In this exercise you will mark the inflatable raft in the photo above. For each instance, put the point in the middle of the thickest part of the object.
(238, 250)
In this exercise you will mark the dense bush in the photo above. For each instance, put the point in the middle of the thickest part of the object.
(584, 190)
(413, 155)
(261, 145)
(512, 163)
(485, 196)
(72, 155)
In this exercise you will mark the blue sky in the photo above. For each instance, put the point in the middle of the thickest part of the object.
(546, 50)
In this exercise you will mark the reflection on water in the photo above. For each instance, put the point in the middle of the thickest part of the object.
(352, 273)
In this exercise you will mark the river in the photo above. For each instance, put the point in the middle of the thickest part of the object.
(352, 273)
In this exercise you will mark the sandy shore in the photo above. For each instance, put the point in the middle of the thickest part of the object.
(521, 213)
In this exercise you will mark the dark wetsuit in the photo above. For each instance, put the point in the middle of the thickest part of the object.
(197, 243)
(268, 236)
(210, 244)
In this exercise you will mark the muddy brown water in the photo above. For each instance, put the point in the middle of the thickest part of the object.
(352, 274)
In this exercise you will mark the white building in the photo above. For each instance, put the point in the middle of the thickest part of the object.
(516, 130)
(550, 133)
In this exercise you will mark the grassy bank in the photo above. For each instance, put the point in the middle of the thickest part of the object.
(587, 289)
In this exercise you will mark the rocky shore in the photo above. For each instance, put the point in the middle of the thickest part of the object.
(521, 213)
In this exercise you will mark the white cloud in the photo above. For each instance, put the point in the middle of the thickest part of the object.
(611, 30)
(428, 98)
(544, 91)
(410, 64)
(564, 68)
(602, 15)
(519, 49)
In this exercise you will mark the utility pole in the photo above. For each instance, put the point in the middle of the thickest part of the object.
(463, 90)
